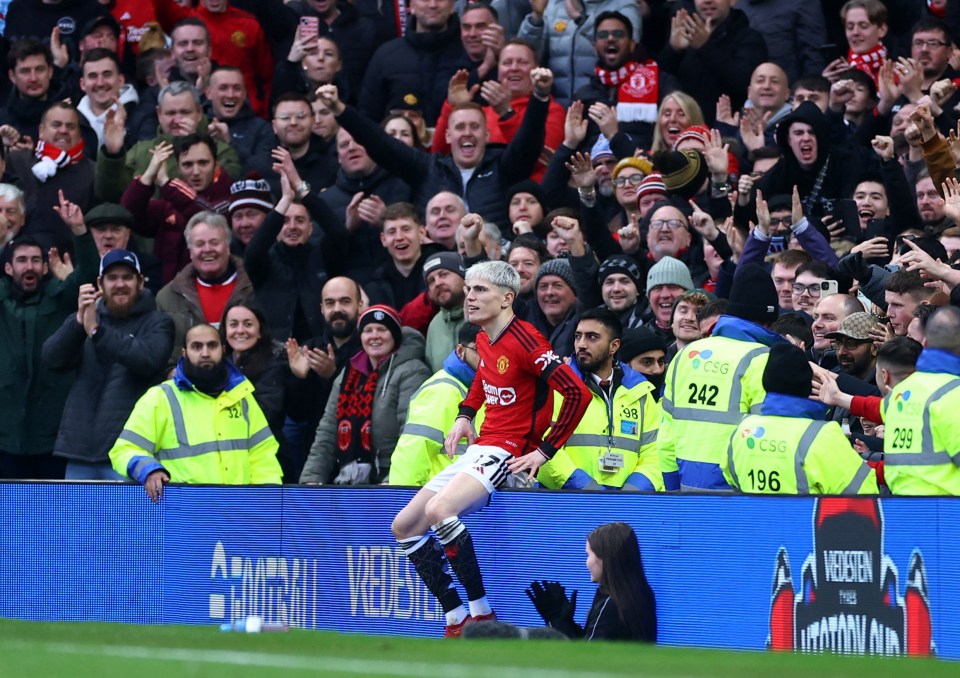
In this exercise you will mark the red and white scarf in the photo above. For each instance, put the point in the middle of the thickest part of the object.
(869, 62)
(639, 90)
(52, 159)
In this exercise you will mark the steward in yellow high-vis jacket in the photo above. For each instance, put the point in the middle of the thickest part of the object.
(614, 445)
(419, 454)
(202, 426)
(713, 382)
(790, 447)
(921, 442)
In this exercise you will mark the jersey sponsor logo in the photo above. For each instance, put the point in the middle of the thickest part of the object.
(701, 360)
(848, 599)
(499, 396)
(503, 364)
(545, 360)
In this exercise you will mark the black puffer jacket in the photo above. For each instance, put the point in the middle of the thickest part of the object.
(415, 70)
(429, 174)
(126, 358)
(286, 280)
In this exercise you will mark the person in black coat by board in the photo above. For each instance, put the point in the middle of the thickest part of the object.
(623, 608)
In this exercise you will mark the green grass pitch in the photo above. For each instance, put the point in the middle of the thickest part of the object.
(97, 650)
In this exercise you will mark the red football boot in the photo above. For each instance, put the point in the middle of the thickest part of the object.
(456, 630)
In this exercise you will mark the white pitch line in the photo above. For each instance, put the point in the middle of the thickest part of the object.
(298, 662)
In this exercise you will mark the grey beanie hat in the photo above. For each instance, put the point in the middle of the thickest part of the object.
(558, 267)
(669, 271)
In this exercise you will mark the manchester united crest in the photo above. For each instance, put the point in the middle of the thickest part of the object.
(503, 364)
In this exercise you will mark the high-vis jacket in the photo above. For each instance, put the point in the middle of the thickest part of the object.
(419, 454)
(921, 443)
(710, 385)
(790, 449)
(197, 438)
(615, 442)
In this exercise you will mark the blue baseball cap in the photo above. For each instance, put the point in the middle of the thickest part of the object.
(114, 257)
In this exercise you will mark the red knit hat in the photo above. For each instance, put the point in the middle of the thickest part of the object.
(699, 133)
(652, 183)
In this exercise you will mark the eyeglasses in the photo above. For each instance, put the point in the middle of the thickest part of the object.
(660, 224)
(616, 34)
(781, 221)
(287, 117)
(813, 290)
(929, 44)
(849, 344)
(633, 180)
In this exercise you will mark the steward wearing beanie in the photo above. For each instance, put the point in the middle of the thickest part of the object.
(789, 448)
(713, 382)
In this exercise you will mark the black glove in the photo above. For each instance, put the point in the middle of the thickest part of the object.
(853, 266)
(550, 600)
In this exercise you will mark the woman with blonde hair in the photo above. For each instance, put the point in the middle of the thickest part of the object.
(677, 112)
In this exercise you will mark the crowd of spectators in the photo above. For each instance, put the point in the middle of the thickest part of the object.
(314, 177)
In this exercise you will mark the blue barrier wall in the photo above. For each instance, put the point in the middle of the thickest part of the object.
(860, 575)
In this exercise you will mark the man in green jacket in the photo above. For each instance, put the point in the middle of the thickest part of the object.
(33, 305)
(180, 113)
(443, 272)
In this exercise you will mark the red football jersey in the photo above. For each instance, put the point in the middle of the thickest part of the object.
(517, 376)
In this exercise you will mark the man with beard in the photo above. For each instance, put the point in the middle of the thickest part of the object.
(632, 87)
(615, 444)
(119, 344)
(645, 352)
(316, 365)
(931, 206)
(856, 361)
(33, 305)
(854, 344)
(202, 427)
(444, 273)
